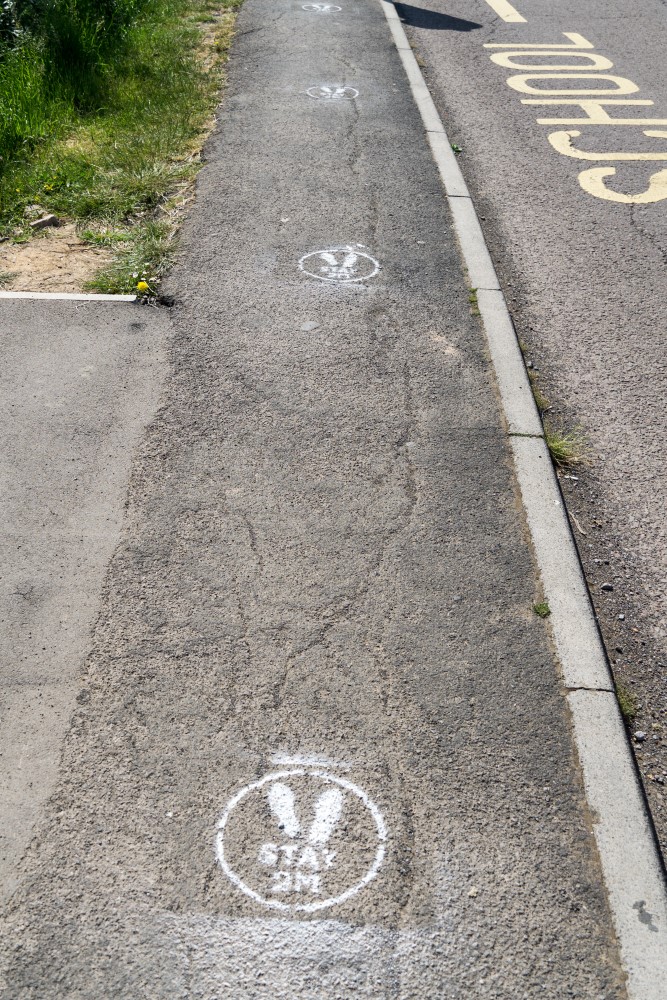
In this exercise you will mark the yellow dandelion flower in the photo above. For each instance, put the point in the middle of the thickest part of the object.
(143, 286)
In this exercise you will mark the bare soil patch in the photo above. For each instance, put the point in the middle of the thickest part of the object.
(54, 260)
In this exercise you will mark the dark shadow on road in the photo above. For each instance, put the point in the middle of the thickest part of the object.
(417, 17)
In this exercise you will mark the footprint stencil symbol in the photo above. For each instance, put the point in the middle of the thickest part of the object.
(327, 813)
(279, 837)
(297, 867)
(340, 264)
(333, 92)
(281, 801)
(336, 271)
(328, 808)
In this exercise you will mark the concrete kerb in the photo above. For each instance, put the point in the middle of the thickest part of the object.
(445, 157)
(580, 651)
(623, 830)
(625, 840)
(481, 272)
(519, 404)
(68, 296)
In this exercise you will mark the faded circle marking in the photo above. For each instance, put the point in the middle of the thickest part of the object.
(301, 839)
(341, 264)
(333, 92)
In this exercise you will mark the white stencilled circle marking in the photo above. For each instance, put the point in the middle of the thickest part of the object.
(321, 8)
(340, 264)
(333, 92)
(301, 840)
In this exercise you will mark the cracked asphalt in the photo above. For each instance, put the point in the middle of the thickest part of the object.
(319, 747)
(585, 281)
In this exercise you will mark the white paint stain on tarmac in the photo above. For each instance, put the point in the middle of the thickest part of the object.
(279, 958)
(321, 8)
(342, 264)
(308, 760)
(301, 840)
(333, 92)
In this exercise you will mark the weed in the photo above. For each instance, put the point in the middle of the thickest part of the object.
(6, 277)
(457, 149)
(541, 400)
(473, 302)
(627, 702)
(542, 609)
(567, 448)
(104, 237)
(125, 157)
(141, 254)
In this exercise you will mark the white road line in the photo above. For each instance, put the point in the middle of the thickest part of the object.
(69, 296)
(628, 852)
(506, 11)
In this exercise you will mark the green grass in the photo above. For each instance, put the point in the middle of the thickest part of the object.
(108, 134)
(473, 302)
(567, 448)
(142, 253)
(542, 609)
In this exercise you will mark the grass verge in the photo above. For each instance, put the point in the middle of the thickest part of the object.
(121, 164)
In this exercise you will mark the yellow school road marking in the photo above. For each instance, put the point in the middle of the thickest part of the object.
(592, 181)
(506, 11)
(545, 62)
(577, 41)
(562, 143)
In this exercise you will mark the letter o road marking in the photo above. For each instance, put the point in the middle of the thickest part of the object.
(301, 840)
(518, 82)
(507, 59)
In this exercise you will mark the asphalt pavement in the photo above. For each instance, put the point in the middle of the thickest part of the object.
(320, 747)
(584, 277)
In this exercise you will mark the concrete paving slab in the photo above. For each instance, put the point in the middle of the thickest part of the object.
(79, 381)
